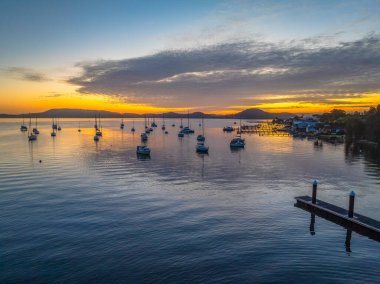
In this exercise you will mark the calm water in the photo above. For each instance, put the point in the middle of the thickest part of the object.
(94, 212)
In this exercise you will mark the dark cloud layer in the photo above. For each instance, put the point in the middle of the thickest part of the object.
(26, 74)
(225, 74)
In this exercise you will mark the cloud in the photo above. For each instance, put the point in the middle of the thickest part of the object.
(26, 74)
(52, 95)
(226, 74)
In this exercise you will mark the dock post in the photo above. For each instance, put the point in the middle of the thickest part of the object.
(314, 197)
(351, 205)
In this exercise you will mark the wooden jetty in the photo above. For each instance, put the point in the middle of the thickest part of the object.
(347, 218)
(264, 129)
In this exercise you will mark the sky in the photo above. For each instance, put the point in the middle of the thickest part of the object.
(211, 56)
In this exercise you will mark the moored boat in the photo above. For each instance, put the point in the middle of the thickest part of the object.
(143, 150)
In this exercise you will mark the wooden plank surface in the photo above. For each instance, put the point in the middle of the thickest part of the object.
(342, 213)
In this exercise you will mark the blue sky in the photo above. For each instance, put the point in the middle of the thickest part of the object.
(60, 40)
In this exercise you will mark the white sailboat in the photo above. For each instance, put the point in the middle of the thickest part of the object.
(23, 126)
(238, 141)
(35, 129)
(201, 137)
(99, 130)
(201, 147)
(31, 135)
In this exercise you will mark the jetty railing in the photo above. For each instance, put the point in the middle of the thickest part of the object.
(346, 217)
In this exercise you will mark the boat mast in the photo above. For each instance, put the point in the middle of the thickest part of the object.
(203, 127)
(30, 124)
(240, 128)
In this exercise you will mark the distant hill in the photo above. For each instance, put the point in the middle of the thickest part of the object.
(252, 113)
(255, 113)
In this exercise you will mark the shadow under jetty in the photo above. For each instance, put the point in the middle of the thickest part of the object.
(347, 218)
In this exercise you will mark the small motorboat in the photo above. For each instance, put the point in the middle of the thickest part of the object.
(237, 142)
(53, 134)
(181, 134)
(166, 132)
(200, 137)
(201, 147)
(228, 129)
(173, 125)
(143, 150)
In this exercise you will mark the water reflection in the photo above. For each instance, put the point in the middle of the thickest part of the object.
(312, 224)
(97, 209)
(355, 152)
(347, 243)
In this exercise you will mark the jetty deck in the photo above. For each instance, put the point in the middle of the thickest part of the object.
(359, 223)
(264, 129)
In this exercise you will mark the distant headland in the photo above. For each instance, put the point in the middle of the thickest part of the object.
(252, 113)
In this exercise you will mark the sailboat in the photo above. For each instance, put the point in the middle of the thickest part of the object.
(79, 130)
(98, 131)
(122, 123)
(133, 126)
(187, 129)
(201, 137)
(144, 137)
(59, 127)
(154, 122)
(96, 123)
(96, 138)
(23, 126)
(31, 136)
(181, 125)
(35, 130)
(201, 147)
(163, 122)
(238, 142)
(146, 121)
(54, 124)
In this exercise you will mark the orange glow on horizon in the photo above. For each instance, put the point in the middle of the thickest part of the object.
(37, 97)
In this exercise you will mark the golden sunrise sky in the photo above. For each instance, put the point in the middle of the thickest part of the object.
(211, 56)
